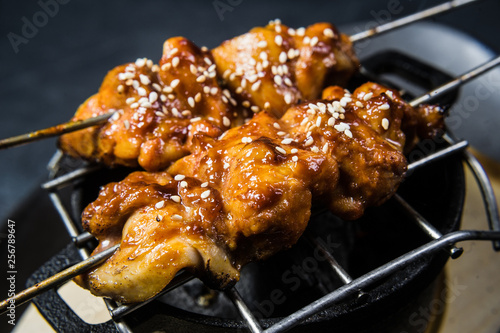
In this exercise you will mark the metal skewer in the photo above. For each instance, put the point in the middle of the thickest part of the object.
(447, 6)
(57, 279)
(74, 126)
(56, 130)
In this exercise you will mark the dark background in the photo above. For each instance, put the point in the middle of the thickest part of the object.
(64, 60)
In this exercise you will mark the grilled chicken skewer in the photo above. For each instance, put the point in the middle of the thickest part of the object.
(32, 292)
(247, 195)
(258, 101)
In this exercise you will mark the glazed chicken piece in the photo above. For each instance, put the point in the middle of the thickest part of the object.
(274, 67)
(248, 194)
(159, 110)
(248, 201)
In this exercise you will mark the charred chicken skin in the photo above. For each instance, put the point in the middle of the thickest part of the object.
(160, 108)
(248, 194)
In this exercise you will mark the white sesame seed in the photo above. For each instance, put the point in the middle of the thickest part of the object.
(283, 57)
(390, 94)
(325, 148)
(144, 79)
(186, 113)
(286, 141)
(165, 67)
(193, 120)
(328, 33)
(278, 80)
(306, 40)
(167, 89)
(205, 194)
(281, 150)
(256, 86)
(130, 100)
(366, 97)
(176, 217)
(226, 122)
(213, 91)
(277, 126)
(156, 86)
(318, 122)
(184, 184)
(278, 40)
(348, 133)
(134, 105)
(384, 106)
(254, 108)
(304, 121)
(120, 88)
(288, 82)
(153, 96)
(314, 41)
(309, 142)
(288, 98)
(359, 104)
(179, 177)
(149, 63)
(385, 123)
(140, 62)
(191, 102)
(331, 121)
(262, 44)
(294, 151)
(281, 133)
(207, 61)
(295, 158)
(176, 198)
(301, 31)
(175, 61)
(267, 105)
(174, 83)
(141, 91)
(201, 79)
(205, 184)
(160, 204)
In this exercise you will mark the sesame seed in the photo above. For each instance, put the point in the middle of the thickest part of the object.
(306, 40)
(153, 96)
(254, 108)
(281, 150)
(246, 140)
(278, 80)
(214, 91)
(120, 88)
(385, 123)
(191, 102)
(325, 148)
(165, 67)
(141, 91)
(348, 133)
(318, 122)
(140, 62)
(134, 105)
(300, 31)
(130, 100)
(384, 106)
(205, 184)
(331, 121)
(197, 97)
(328, 33)
(226, 121)
(167, 89)
(144, 79)
(294, 151)
(267, 105)
(201, 78)
(288, 98)
(390, 94)
(256, 86)
(281, 133)
(226, 165)
(304, 121)
(149, 63)
(156, 86)
(366, 97)
(175, 61)
(193, 120)
(295, 158)
(174, 83)
(288, 82)
(160, 204)
(359, 104)
(186, 113)
(277, 126)
(286, 141)
(207, 61)
(278, 40)
(262, 44)
(282, 57)
(309, 142)
(176, 217)
(205, 194)
(176, 198)
(184, 184)
(314, 41)
(179, 177)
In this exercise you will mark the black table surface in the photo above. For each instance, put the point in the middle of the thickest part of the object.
(55, 53)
